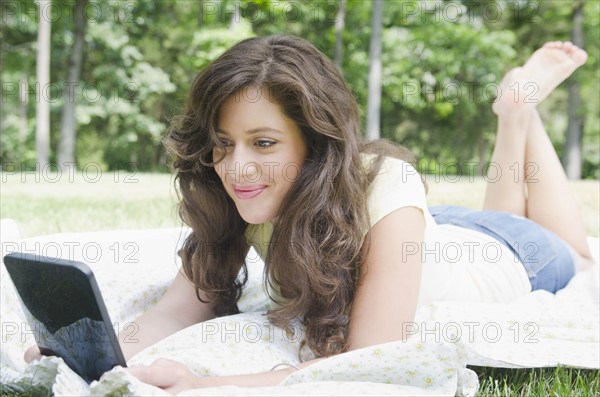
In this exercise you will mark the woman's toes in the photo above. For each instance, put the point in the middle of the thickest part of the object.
(569, 47)
(553, 44)
(579, 56)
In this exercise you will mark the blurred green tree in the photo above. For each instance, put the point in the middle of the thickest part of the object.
(441, 61)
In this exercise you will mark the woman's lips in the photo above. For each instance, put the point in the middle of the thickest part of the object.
(248, 192)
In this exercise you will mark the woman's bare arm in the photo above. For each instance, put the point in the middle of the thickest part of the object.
(385, 301)
(177, 309)
(386, 298)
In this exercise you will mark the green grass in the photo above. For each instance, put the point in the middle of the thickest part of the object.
(31, 391)
(148, 201)
(141, 201)
(560, 381)
(73, 204)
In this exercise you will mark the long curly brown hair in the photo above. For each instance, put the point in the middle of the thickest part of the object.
(315, 251)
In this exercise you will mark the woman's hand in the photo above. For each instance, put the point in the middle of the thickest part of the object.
(32, 353)
(169, 375)
(175, 377)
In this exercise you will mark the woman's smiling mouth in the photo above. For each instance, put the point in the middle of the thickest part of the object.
(248, 192)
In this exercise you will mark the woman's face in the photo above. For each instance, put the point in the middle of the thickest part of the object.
(264, 151)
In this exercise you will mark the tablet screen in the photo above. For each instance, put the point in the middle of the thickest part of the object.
(64, 308)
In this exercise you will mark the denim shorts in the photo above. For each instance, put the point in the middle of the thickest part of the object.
(548, 260)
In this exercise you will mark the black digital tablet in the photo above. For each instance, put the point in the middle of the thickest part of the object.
(66, 312)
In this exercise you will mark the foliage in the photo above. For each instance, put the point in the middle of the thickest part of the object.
(441, 63)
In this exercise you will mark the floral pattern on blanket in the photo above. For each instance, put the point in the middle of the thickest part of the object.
(539, 330)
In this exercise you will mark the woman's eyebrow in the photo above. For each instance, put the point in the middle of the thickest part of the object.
(255, 131)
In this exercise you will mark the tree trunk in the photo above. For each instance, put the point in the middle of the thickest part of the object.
(23, 89)
(42, 109)
(482, 153)
(374, 100)
(572, 158)
(339, 33)
(200, 13)
(66, 148)
(236, 17)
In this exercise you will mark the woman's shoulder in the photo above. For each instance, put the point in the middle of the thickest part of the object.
(393, 170)
(397, 184)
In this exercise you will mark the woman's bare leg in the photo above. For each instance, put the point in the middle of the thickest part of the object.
(533, 182)
(504, 192)
(550, 201)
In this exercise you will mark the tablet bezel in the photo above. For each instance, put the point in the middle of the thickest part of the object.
(14, 262)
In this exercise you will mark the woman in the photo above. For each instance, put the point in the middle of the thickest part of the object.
(268, 154)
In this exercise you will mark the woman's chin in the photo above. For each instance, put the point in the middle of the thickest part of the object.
(255, 219)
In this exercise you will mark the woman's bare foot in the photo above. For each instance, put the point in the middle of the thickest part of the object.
(524, 88)
(504, 87)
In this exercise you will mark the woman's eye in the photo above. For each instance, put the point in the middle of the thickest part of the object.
(264, 143)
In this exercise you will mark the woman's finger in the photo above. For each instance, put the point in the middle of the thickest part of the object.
(162, 373)
(32, 353)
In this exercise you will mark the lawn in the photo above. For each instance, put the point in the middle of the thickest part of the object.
(80, 202)
(44, 204)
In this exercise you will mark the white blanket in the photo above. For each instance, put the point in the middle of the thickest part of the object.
(134, 268)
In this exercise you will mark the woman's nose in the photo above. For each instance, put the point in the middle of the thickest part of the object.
(243, 166)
